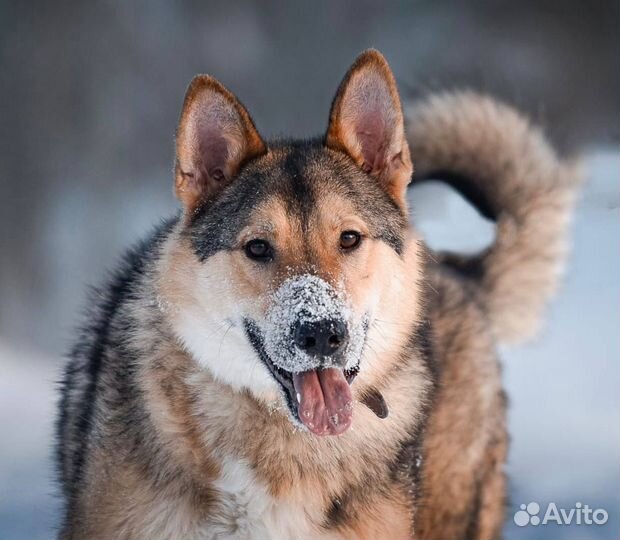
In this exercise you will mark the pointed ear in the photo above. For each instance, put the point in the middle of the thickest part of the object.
(215, 137)
(366, 122)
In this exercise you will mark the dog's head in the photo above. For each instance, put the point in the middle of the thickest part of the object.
(293, 267)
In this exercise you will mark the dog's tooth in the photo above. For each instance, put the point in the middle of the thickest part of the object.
(298, 397)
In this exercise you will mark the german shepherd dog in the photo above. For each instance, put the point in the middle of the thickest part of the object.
(286, 359)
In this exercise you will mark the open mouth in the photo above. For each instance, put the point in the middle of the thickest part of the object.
(320, 399)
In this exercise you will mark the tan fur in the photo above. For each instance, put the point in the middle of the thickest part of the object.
(390, 518)
(465, 443)
(126, 507)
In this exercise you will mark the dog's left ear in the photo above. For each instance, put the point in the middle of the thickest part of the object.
(366, 122)
(215, 137)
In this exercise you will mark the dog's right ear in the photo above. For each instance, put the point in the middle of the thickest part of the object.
(366, 122)
(215, 137)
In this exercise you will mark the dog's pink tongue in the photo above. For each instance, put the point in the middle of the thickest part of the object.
(325, 401)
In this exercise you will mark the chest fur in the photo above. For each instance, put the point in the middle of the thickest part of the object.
(246, 510)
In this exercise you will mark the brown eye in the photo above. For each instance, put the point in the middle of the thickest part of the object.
(259, 250)
(350, 240)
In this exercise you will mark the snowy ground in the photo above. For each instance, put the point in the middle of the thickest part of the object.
(28, 507)
(563, 388)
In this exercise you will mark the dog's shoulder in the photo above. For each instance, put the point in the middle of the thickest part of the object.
(93, 368)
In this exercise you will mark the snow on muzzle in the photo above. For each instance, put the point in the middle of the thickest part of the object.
(311, 333)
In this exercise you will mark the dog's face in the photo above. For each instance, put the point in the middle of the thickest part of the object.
(287, 278)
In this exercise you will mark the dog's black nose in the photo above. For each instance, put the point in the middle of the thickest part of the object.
(321, 338)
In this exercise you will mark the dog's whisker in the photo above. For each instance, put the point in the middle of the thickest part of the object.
(219, 350)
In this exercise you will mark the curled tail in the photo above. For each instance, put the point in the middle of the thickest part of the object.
(506, 168)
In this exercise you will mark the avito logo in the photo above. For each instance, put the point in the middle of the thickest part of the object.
(580, 514)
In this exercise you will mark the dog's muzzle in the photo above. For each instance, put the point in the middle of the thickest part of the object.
(312, 345)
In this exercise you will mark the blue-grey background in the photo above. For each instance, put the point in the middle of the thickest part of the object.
(89, 98)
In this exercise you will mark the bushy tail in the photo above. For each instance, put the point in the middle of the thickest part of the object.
(506, 168)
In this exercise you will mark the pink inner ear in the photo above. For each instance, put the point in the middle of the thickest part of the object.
(370, 114)
(371, 134)
(214, 152)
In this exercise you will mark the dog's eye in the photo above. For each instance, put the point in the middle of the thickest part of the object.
(350, 240)
(259, 250)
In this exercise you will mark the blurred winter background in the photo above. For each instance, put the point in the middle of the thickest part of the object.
(89, 98)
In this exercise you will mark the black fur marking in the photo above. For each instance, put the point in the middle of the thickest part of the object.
(407, 468)
(337, 514)
(215, 225)
(88, 357)
(474, 513)
(305, 170)
(422, 342)
(466, 187)
(470, 267)
(346, 507)
(300, 194)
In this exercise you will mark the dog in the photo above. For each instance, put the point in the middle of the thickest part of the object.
(286, 358)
